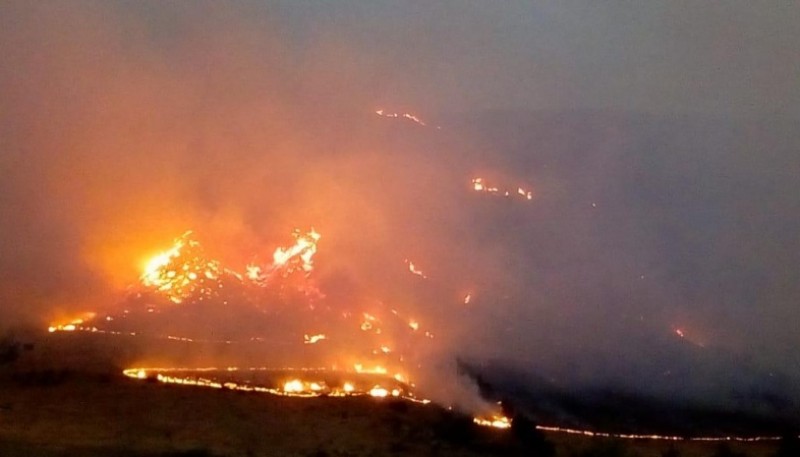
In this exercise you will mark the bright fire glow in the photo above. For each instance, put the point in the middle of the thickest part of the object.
(414, 270)
(370, 370)
(313, 339)
(305, 389)
(182, 271)
(495, 420)
(72, 324)
(408, 116)
(293, 386)
(302, 252)
(378, 391)
(479, 185)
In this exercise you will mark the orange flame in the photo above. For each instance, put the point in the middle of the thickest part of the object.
(479, 185)
(414, 270)
(495, 420)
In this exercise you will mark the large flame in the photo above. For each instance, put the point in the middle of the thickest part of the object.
(300, 255)
(372, 342)
(182, 271)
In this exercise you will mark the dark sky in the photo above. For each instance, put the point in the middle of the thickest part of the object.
(660, 139)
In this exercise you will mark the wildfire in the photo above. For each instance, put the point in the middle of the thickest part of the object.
(479, 185)
(408, 116)
(73, 324)
(314, 339)
(182, 271)
(296, 387)
(183, 274)
(414, 270)
(371, 370)
(292, 387)
(370, 322)
(495, 420)
(688, 337)
(300, 255)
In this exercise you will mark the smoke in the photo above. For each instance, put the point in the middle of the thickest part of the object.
(123, 126)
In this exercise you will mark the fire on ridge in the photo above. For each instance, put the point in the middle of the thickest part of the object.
(184, 277)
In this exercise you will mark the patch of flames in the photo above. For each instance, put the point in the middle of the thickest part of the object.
(494, 420)
(479, 185)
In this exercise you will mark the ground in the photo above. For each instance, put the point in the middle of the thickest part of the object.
(54, 413)
(60, 399)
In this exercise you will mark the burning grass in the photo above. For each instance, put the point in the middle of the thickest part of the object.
(93, 415)
(89, 415)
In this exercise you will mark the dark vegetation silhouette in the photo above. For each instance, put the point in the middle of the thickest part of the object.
(724, 450)
(610, 448)
(789, 446)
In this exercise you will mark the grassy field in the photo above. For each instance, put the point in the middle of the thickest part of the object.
(53, 413)
(68, 398)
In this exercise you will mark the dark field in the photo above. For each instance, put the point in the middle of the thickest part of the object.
(54, 413)
(66, 396)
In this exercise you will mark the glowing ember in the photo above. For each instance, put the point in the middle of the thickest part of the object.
(369, 323)
(378, 391)
(293, 386)
(313, 339)
(479, 185)
(495, 420)
(414, 270)
(254, 273)
(408, 116)
(73, 324)
(372, 370)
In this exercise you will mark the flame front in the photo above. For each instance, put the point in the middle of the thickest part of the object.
(407, 116)
(479, 185)
(73, 324)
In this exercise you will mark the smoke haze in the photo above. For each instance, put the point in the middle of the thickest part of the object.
(660, 142)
